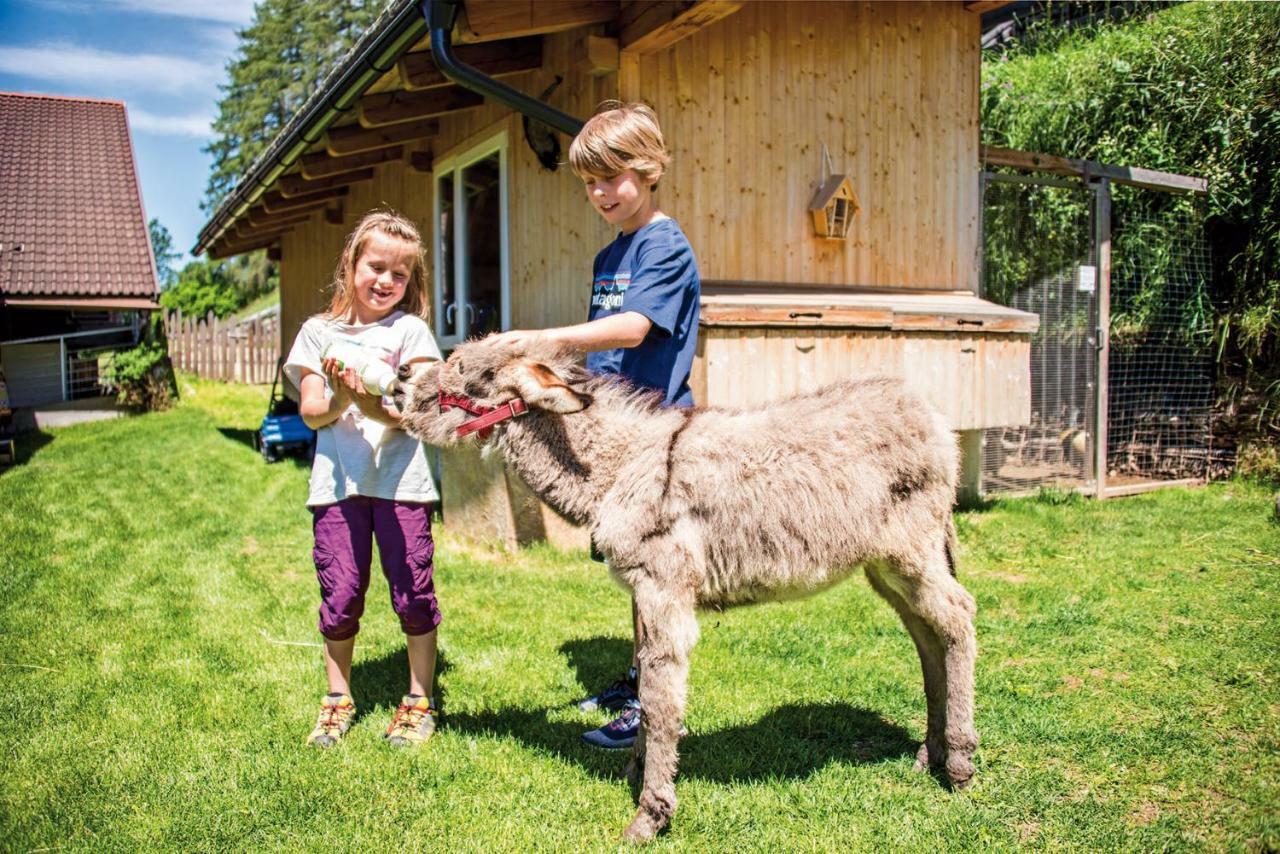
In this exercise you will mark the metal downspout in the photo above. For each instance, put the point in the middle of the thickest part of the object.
(440, 15)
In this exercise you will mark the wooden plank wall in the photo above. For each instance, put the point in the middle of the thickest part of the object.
(554, 234)
(975, 380)
(746, 104)
(310, 252)
(891, 88)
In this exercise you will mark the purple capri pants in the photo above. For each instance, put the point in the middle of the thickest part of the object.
(344, 553)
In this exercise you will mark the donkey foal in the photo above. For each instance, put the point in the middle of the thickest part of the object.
(719, 507)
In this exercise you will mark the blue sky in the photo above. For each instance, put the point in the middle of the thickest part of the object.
(163, 58)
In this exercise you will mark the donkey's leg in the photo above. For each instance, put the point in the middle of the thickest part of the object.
(930, 591)
(670, 631)
(635, 765)
(931, 663)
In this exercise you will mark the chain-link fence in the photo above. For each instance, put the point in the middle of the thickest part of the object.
(1045, 243)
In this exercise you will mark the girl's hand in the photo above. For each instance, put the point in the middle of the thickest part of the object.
(341, 383)
(348, 387)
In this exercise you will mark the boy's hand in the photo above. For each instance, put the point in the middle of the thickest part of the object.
(516, 337)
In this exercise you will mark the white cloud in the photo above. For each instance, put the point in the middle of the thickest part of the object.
(239, 12)
(68, 63)
(193, 124)
(229, 11)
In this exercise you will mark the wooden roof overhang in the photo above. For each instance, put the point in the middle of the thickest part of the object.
(384, 102)
(117, 303)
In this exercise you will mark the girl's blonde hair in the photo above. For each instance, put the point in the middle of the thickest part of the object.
(416, 300)
(619, 137)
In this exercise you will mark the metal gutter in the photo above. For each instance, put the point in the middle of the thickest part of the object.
(398, 27)
(402, 24)
(440, 16)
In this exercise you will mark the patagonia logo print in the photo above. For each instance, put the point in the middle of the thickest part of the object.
(607, 291)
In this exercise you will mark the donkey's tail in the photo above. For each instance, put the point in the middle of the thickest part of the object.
(951, 545)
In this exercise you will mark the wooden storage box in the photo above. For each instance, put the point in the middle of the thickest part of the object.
(970, 358)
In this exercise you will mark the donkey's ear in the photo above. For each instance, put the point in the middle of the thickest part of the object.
(543, 388)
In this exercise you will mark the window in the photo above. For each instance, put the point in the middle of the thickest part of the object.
(472, 270)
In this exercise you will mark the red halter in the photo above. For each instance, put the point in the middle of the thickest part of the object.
(487, 416)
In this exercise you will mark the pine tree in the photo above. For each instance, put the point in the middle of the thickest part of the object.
(163, 251)
(284, 54)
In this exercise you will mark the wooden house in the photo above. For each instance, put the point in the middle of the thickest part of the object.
(76, 272)
(750, 96)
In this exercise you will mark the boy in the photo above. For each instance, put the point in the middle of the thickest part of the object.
(643, 319)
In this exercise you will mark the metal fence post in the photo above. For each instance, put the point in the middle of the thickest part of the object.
(1102, 236)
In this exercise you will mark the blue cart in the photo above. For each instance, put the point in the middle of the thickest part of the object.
(283, 432)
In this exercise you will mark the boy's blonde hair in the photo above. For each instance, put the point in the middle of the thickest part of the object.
(619, 137)
(415, 300)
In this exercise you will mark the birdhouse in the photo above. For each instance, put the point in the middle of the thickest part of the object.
(833, 207)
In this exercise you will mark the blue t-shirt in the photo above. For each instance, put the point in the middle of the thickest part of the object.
(651, 271)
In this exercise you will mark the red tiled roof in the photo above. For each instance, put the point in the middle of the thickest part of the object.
(69, 198)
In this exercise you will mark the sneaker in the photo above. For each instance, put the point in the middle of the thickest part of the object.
(614, 698)
(413, 723)
(337, 711)
(619, 733)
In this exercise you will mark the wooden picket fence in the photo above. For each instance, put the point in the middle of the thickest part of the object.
(240, 352)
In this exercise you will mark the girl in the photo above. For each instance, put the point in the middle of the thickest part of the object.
(369, 478)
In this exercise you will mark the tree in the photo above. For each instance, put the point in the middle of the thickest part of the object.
(203, 287)
(283, 56)
(251, 274)
(165, 255)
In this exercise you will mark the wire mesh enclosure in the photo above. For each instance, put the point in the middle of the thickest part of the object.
(1038, 256)
(1087, 257)
(1160, 361)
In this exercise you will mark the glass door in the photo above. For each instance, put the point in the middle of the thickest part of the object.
(472, 280)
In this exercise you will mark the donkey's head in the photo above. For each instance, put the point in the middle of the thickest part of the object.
(440, 399)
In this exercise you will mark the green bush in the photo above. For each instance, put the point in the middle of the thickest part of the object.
(1193, 89)
(143, 376)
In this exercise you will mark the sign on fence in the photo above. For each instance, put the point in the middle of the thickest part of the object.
(242, 352)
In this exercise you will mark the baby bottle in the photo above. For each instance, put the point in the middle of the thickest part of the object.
(376, 374)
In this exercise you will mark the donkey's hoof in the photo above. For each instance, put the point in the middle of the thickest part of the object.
(922, 759)
(960, 770)
(929, 758)
(643, 828)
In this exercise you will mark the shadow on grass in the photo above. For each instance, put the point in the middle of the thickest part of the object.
(598, 661)
(972, 504)
(794, 741)
(26, 445)
(249, 439)
(384, 680)
(790, 741)
(244, 437)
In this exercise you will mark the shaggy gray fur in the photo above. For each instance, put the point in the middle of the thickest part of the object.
(717, 507)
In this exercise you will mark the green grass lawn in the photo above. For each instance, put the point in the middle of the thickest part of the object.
(160, 667)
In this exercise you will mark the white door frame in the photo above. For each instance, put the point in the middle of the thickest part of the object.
(454, 163)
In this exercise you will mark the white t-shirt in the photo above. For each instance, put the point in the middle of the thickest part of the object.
(356, 455)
